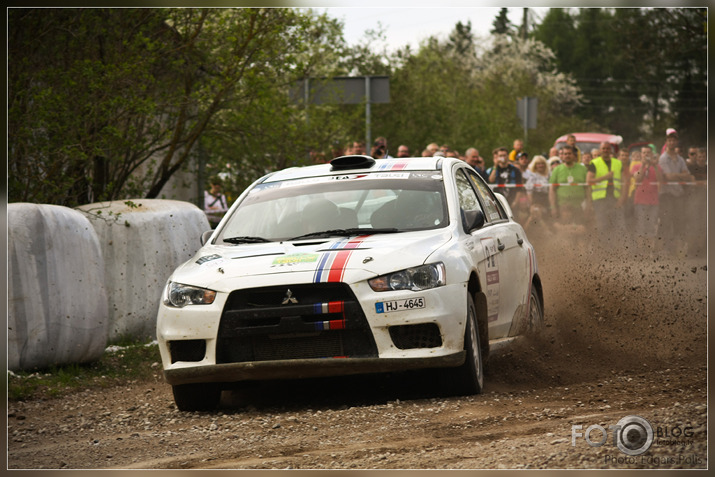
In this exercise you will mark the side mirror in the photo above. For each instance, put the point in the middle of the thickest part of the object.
(473, 220)
(206, 236)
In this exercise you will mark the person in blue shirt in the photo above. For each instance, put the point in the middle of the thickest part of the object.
(504, 173)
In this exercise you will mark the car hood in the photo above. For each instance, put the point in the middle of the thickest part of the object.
(334, 259)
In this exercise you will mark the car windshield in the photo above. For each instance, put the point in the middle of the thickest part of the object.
(347, 204)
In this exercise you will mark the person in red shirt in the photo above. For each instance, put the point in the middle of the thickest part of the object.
(647, 175)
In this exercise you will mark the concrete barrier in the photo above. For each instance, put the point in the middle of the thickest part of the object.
(57, 301)
(142, 241)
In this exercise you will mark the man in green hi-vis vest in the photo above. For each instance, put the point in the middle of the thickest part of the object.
(606, 178)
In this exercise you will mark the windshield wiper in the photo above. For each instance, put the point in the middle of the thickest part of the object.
(246, 239)
(347, 232)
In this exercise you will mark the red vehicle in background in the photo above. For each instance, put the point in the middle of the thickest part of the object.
(587, 141)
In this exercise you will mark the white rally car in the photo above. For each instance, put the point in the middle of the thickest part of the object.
(356, 266)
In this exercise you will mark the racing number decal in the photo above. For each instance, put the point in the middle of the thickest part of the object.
(492, 289)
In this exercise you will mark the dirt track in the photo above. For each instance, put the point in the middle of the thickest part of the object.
(625, 336)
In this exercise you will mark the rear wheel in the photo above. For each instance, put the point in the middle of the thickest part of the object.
(196, 397)
(469, 377)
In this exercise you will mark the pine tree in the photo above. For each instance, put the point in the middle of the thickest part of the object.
(501, 24)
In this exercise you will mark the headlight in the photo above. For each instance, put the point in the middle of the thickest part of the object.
(418, 278)
(178, 295)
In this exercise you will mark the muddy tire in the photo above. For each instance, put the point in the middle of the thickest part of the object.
(535, 320)
(468, 378)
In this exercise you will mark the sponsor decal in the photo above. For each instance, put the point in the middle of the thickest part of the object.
(390, 175)
(294, 258)
(304, 181)
(348, 177)
(491, 254)
(208, 258)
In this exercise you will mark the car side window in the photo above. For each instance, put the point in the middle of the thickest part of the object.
(467, 196)
(493, 208)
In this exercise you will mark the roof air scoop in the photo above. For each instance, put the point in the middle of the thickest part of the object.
(351, 162)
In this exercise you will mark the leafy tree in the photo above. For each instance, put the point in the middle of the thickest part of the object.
(82, 88)
(366, 58)
(425, 106)
(461, 40)
(267, 130)
(467, 96)
(675, 75)
(558, 31)
(516, 68)
(109, 103)
(640, 70)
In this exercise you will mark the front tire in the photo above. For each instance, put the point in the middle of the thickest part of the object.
(196, 397)
(468, 378)
(535, 322)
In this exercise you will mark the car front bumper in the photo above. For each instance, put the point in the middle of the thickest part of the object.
(304, 368)
(445, 309)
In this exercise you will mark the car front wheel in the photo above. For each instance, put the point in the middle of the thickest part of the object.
(469, 377)
(535, 323)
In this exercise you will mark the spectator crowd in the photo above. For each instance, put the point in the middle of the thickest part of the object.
(638, 200)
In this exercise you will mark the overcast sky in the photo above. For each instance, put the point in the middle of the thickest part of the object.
(411, 21)
(408, 25)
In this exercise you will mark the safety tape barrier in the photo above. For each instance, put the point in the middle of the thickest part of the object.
(539, 186)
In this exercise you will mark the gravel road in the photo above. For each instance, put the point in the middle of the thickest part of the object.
(625, 336)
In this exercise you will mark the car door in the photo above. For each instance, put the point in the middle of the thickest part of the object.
(484, 244)
(514, 270)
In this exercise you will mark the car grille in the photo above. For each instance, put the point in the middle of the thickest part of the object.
(316, 321)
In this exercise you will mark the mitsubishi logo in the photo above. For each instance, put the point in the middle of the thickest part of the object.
(289, 300)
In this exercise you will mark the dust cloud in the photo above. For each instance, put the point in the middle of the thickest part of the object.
(610, 309)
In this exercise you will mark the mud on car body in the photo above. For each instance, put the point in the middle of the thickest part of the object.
(357, 266)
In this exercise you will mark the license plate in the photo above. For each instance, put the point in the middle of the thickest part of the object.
(399, 305)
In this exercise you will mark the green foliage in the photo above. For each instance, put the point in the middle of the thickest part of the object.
(265, 130)
(129, 360)
(447, 93)
(110, 103)
(83, 87)
(501, 24)
(106, 104)
(110, 217)
(640, 70)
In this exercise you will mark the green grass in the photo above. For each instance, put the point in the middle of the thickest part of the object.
(132, 362)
